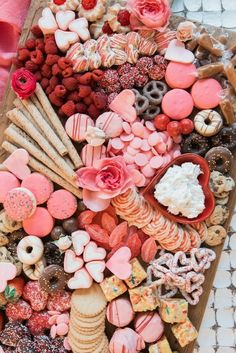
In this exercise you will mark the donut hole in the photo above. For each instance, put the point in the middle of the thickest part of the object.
(53, 281)
(219, 162)
(207, 121)
(29, 249)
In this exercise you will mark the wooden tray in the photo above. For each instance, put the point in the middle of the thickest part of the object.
(196, 312)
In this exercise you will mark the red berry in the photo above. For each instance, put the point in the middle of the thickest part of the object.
(30, 43)
(68, 108)
(161, 121)
(173, 128)
(36, 31)
(124, 17)
(106, 28)
(186, 126)
(89, 4)
(23, 54)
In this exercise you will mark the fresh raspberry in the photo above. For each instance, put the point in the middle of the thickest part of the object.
(56, 71)
(59, 301)
(35, 295)
(49, 90)
(40, 44)
(124, 69)
(38, 76)
(36, 31)
(37, 57)
(74, 96)
(53, 82)
(52, 59)
(109, 78)
(49, 37)
(127, 81)
(58, 102)
(19, 311)
(97, 75)
(123, 17)
(51, 47)
(70, 83)
(93, 111)
(88, 100)
(29, 65)
(160, 60)
(81, 108)
(63, 63)
(46, 71)
(99, 99)
(140, 80)
(68, 72)
(86, 78)
(17, 63)
(144, 64)
(30, 44)
(68, 108)
(44, 83)
(106, 28)
(23, 54)
(157, 72)
(60, 91)
(88, 4)
(84, 91)
(38, 323)
(61, 114)
(111, 97)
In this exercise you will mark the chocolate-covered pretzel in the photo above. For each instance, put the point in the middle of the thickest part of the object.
(154, 91)
(141, 102)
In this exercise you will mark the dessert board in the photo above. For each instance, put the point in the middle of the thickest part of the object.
(195, 312)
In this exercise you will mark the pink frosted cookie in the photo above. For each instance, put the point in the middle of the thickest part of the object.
(19, 204)
(110, 123)
(120, 312)
(91, 154)
(180, 75)
(177, 104)
(149, 326)
(8, 181)
(62, 204)
(39, 185)
(76, 126)
(206, 93)
(40, 224)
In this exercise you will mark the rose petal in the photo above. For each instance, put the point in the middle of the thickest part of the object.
(93, 201)
(53, 331)
(86, 178)
(62, 329)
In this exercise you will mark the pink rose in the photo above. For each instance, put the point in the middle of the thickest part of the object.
(150, 14)
(107, 179)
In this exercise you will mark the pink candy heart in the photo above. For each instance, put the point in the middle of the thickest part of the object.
(72, 263)
(80, 239)
(176, 52)
(119, 264)
(17, 162)
(8, 272)
(47, 22)
(93, 252)
(123, 105)
(81, 279)
(80, 26)
(96, 269)
(64, 18)
(65, 39)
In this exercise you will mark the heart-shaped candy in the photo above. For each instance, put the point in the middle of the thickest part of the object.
(176, 52)
(119, 264)
(123, 105)
(8, 272)
(17, 162)
(72, 263)
(80, 239)
(96, 269)
(80, 26)
(65, 39)
(81, 279)
(93, 252)
(47, 22)
(64, 18)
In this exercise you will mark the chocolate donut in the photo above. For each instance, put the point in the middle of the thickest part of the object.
(53, 279)
(14, 239)
(225, 138)
(195, 143)
(52, 254)
(220, 159)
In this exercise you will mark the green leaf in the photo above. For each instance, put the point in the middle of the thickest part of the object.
(10, 293)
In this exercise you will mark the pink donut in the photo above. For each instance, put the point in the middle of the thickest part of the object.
(19, 204)
(120, 312)
(180, 75)
(177, 104)
(40, 224)
(62, 204)
(111, 123)
(39, 185)
(149, 326)
(206, 93)
(76, 126)
(8, 181)
(91, 154)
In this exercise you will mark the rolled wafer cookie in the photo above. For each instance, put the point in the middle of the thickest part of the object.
(38, 105)
(17, 117)
(52, 116)
(39, 167)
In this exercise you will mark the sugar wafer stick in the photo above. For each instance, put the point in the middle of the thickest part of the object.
(17, 117)
(58, 126)
(39, 167)
(19, 105)
(36, 102)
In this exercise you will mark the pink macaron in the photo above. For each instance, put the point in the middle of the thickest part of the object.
(62, 204)
(120, 312)
(149, 326)
(111, 123)
(8, 181)
(76, 126)
(39, 185)
(180, 75)
(40, 223)
(206, 93)
(177, 104)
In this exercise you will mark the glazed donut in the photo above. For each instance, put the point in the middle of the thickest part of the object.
(30, 250)
(35, 271)
(219, 159)
(53, 279)
(208, 122)
(226, 138)
(195, 143)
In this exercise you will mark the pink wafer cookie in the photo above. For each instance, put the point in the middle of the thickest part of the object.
(8, 181)
(76, 126)
(91, 154)
(39, 185)
(40, 223)
(111, 123)
(62, 204)
(19, 204)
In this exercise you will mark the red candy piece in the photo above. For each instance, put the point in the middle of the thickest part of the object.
(98, 234)
(85, 218)
(173, 128)
(108, 222)
(161, 121)
(19, 311)
(59, 301)
(134, 244)
(34, 294)
(118, 234)
(59, 2)
(186, 126)
(149, 250)
(88, 4)
(38, 323)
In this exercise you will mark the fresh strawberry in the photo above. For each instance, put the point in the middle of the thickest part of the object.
(1, 321)
(14, 289)
(3, 301)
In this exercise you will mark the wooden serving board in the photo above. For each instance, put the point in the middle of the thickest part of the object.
(196, 313)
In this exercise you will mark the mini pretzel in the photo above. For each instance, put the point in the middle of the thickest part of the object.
(154, 91)
(141, 102)
(151, 112)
